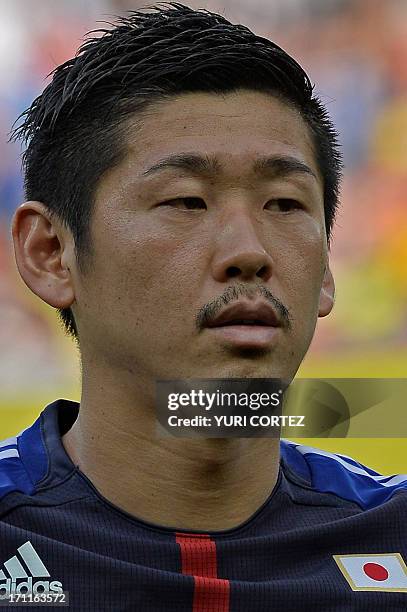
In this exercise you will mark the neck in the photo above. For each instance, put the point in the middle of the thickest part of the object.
(195, 484)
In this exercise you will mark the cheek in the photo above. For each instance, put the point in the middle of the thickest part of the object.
(301, 270)
(151, 269)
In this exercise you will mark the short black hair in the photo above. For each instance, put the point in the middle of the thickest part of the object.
(73, 130)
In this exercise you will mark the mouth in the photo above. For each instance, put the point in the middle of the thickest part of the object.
(246, 335)
(242, 322)
(246, 325)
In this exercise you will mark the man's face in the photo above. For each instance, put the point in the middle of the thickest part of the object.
(173, 238)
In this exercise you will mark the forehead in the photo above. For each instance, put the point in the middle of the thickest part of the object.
(235, 128)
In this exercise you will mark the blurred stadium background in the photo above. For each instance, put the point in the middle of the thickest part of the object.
(356, 52)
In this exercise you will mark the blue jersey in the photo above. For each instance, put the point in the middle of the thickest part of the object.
(332, 536)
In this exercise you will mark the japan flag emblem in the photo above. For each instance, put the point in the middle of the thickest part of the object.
(382, 572)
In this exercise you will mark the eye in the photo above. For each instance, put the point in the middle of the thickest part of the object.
(188, 203)
(283, 204)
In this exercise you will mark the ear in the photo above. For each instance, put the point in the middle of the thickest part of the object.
(327, 294)
(44, 254)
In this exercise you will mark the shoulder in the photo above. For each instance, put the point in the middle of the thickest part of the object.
(22, 461)
(341, 475)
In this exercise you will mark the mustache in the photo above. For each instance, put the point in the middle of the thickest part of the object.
(208, 312)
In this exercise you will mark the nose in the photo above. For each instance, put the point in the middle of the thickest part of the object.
(240, 253)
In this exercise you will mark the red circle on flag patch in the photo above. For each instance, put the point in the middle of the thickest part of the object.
(375, 571)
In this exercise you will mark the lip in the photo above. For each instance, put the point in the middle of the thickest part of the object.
(247, 336)
(259, 311)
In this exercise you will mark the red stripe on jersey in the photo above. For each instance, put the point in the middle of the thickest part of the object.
(211, 595)
(198, 555)
(198, 559)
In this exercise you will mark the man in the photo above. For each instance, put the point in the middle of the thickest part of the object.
(181, 183)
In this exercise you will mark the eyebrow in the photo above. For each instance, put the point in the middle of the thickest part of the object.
(275, 166)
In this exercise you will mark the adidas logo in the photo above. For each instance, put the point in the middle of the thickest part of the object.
(21, 576)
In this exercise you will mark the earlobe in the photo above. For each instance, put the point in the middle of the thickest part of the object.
(327, 293)
(39, 248)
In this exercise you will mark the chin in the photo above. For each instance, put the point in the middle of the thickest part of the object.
(247, 370)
